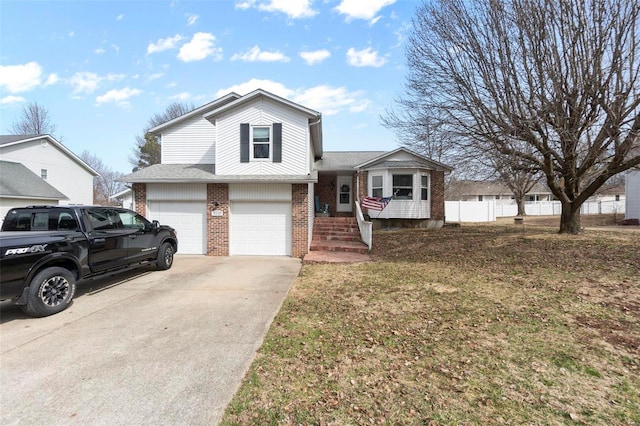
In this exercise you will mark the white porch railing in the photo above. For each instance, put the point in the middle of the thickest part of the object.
(365, 227)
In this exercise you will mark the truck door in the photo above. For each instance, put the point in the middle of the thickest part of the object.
(107, 239)
(141, 236)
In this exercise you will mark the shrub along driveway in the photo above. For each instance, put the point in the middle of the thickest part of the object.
(147, 347)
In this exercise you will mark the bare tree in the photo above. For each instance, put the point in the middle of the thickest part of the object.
(553, 84)
(106, 184)
(148, 150)
(34, 120)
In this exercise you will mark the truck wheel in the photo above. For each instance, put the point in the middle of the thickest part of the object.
(165, 257)
(50, 292)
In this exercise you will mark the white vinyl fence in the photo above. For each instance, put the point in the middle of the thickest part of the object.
(488, 211)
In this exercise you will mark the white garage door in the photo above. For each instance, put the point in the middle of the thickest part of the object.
(188, 218)
(260, 228)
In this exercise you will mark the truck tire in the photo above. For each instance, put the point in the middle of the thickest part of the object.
(50, 292)
(165, 257)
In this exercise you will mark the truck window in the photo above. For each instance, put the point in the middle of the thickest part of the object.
(17, 220)
(103, 219)
(40, 221)
(131, 220)
(67, 222)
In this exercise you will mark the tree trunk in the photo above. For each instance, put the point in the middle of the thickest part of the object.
(520, 203)
(570, 219)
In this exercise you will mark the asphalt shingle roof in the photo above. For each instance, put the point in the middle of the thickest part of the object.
(345, 160)
(18, 181)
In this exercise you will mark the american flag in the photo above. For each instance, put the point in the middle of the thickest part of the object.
(376, 203)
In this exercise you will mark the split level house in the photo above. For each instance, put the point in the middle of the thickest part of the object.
(247, 175)
(38, 170)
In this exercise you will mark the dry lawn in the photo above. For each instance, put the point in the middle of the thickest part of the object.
(487, 324)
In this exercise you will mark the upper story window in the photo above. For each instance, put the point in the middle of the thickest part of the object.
(43, 174)
(376, 186)
(261, 143)
(403, 187)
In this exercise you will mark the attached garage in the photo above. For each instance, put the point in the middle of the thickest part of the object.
(260, 219)
(187, 215)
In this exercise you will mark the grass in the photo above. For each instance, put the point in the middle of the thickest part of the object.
(486, 324)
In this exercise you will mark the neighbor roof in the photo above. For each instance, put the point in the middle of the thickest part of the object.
(9, 140)
(490, 187)
(17, 181)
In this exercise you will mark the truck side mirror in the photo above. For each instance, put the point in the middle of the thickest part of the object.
(155, 225)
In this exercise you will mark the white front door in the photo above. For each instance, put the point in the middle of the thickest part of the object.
(344, 194)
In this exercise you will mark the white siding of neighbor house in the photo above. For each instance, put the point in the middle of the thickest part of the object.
(632, 198)
(63, 173)
(190, 142)
(263, 111)
(7, 204)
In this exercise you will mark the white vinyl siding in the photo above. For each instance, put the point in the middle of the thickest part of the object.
(63, 173)
(263, 112)
(190, 142)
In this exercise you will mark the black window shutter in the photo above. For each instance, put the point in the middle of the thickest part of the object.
(244, 142)
(277, 142)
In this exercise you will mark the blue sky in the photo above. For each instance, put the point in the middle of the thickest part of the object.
(103, 68)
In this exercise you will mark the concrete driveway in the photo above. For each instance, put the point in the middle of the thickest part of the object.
(150, 347)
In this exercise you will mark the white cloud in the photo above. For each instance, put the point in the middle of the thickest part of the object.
(191, 18)
(84, 82)
(119, 17)
(253, 84)
(52, 79)
(244, 4)
(326, 99)
(156, 76)
(294, 9)
(12, 100)
(358, 9)
(164, 44)
(183, 96)
(256, 55)
(315, 57)
(200, 47)
(119, 97)
(20, 78)
(72, 33)
(99, 51)
(365, 58)
(88, 82)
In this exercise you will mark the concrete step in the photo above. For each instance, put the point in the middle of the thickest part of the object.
(340, 246)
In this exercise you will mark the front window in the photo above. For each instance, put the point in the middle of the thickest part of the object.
(424, 187)
(376, 186)
(131, 220)
(403, 187)
(261, 141)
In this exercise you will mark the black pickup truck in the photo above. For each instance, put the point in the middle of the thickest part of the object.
(45, 250)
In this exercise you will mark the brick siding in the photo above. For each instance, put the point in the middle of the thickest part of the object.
(437, 195)
(140, 198)
(217, 226)
(299, 219)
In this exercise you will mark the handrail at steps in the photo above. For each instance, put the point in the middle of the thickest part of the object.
(365, 227)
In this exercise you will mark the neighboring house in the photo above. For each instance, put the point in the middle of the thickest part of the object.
(470, 190)
(124, 198)
(52, 162)
(632, 194)
(19, 186)
(609, 193)
(241, 175)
